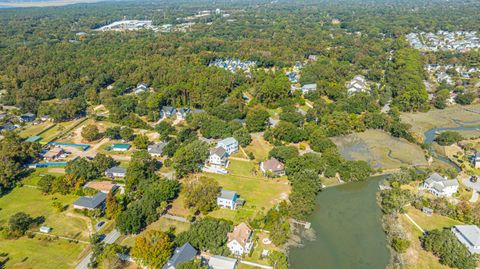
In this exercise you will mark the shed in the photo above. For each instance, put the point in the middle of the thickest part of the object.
(45, 229)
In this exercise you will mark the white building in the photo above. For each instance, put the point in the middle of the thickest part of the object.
(227, 199)
(476, 160)
(357, 84)
(440, 186)
(230, 144)
(309, 87)
(221, 262)
(469, 236)
(218, 156)
(240, 240)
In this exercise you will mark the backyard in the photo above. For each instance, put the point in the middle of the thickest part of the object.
(33, 202)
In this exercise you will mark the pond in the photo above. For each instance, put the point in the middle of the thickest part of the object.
(349, 233)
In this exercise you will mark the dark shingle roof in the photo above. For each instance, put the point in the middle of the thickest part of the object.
(91, 202)
(181, 254)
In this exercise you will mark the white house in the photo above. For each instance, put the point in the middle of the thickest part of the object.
(156, 150)
(476, 160)
(221, 262)
(116, 171)
(182, 113)
(218, 156)
(230, 144)
(441, 186)
(140, 88)
(469, 236)
(309, 87)
(227, 199)
(240, 240)
(357, 84)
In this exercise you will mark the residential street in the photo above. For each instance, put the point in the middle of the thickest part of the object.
(110, 238)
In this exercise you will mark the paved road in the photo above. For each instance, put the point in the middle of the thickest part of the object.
(110, 238)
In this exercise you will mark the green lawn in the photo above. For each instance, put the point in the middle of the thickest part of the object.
(34, 129)
(38, 253)
(260, 193)
(415, 257)
(33, 178)
(259, 147)
(432, 222)
(59, 129)
(33, 202)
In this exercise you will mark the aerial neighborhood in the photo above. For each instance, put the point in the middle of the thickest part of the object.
(239, 135)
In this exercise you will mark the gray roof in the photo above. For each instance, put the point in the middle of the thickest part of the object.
(184, 111)
(181, 254)
(91, 201)
(477, 155)
(470, 233)
(168, 109)
(224, 194)
(116, 170)
(227, 141)
(310, 86)
(157, 148)
(220, 262)
(435, 177)
(219, 151)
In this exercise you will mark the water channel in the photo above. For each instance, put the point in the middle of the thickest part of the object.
(349, 233)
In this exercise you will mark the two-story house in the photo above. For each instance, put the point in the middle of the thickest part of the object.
(240, 240)
(440, 186)
(230, 144)
(227, 199)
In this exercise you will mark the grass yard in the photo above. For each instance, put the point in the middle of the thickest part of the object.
(432, 222)
(33, 202)
(259, 147)
(260, 193)
(416, 257)
(34, 129)
(59, 129)
(163, 225)
(39, 253)
(380, 150)
(33, 178)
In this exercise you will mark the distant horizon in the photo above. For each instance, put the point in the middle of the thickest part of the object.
(44, 3)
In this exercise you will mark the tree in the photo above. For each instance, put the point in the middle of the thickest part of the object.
(15, 153)
(141, 167)
(321, 143)
(46, 183)
(288, 132)
(257, 119)
(91, 132)
(152, 249)
(190, 157)
(243, 137)
(141, 142)
(447, 138)
(278, 260)
(273, 89)
(113, 208)
(97, 249)
(164, 129)
(127, 134)
(113, 133)
(207, 235)
(191, 265)
(465, 98)
(102, 162)
(202, 194)
(82, 168)
(283, 153)
(450, 251)
(19, 223)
